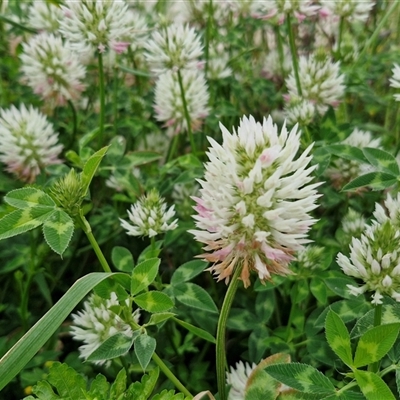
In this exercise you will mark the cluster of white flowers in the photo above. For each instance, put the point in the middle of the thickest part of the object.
(343, 171)
(255, 201)
(95, 24)
(96, 323)
(149, 216)
(28, 142)
(44, 16)
(352, 10)
(279, 9)
(374, 258)
(395, 80)
(320, 80)
(238, 378)
(310, 257)
(298, 110)
(169, 102)
(174, 52)
(52, 70)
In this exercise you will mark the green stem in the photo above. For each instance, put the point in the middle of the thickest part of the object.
(102, 99)
(340, 37)
(186, 112)
(115, 99)
(74, 123)
(374, 367)
(221, 329)
(346, 387)
(172, 148)
(294, 53)
(208, 36)
(168, 373)
(88, 231)
(280, 50)
(375, 35)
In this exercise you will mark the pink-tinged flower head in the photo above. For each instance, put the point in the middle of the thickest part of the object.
(94, 24)
(44, 16)
(28, 142)
(255, 200)
(52, 70)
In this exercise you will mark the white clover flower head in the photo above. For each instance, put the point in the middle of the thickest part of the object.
(169, 106)
(149, 216)
(95, 24)
(353, 223)
(138, 31)
(299, 110)
(218, 67)
(52, 70)
(277, 10)
(374, 258)
(255, 199)
(44, 16)
(352, 10)
(310, 257)
(174, 48)
(238, 378)
(96, 323)
(342, 170)
(321, 82)
(395, 80)
(28, 142)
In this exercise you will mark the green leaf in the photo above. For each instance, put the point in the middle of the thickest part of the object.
(169, 395)
(188, 271)
(119, 385)
(20, 221)
(195, 296)
(372, 386)
(28, 197)
(347, 152)
(338, 337)
(58, 230)
(115, 346)
(122, 259)
(154, 301)
(144, 348)
(134, 71)
(301, 377)
(158, 318)
(398, 380)
(260, 385)
(144, 274)
(383, 160)
(195, 330)
(67, 381)
(40, 333)
(374, 180)
(375, 343)
(318, 289)
(142, 390)
(90, 168)
(99, 388)
(137, 158)
(43, 391)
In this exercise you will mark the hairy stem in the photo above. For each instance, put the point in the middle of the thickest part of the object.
(294, 53)
(221, 329)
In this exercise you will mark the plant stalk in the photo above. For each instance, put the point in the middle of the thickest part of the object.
(294, 53)
(221, 329)
(102, 99)
(186, 112)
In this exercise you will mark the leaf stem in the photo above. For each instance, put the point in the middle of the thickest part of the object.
(374, 367)
(102, 99)
(294, 53)
(221, 329)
